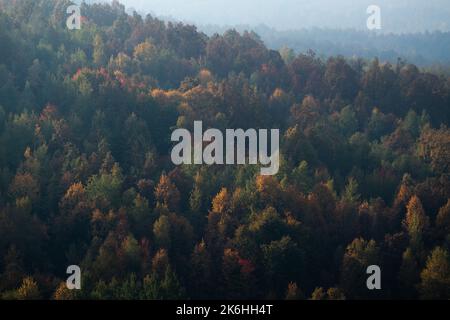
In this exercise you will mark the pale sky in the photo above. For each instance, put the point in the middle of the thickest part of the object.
(397, 15)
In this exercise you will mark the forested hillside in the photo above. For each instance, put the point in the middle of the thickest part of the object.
(86, 177)
(427, 49)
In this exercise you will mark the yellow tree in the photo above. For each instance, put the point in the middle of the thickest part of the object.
(436, 276)
(443, 220)
(166, 193)
(416, 222)
(29, 290)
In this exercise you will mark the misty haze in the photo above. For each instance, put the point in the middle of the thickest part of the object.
(402, 16)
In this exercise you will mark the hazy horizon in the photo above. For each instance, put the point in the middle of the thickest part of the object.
(398, 16)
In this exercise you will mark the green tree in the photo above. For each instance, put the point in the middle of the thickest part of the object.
(171, 287)
(409, 274)
(162, 232)
(99, 55)
(359, 255)
(105, 189)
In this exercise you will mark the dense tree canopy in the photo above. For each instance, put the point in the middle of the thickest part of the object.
(86, 178)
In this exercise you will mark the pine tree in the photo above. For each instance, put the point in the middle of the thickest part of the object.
(171, 287)
(443, 220)
(351, 191)
(29, 290)
(162, 232)
(416, 223)
(99, 55)
(358, 256)
(409, 274)
(435, 277)
(200, 272)
(167, 193)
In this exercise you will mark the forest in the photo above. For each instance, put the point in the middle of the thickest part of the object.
(427, 49)
(86, 178)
